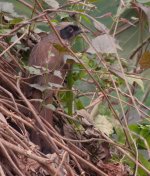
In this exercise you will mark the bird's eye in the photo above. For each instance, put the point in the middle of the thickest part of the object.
(70, 29)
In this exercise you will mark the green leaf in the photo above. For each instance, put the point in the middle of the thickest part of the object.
(144, 161)
(60, 47)
(3, 31)
(86, 19)
(135, 128)
(143, 1)
(143, 132)
(79, 104)
(130, 78)
(16, 20)
(69, 94)
(102, 123)
(79, 45)
(133, 79)
(120, 134)
(63, 15)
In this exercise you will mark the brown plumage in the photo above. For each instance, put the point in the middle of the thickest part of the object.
(49, 54)
(45, 55)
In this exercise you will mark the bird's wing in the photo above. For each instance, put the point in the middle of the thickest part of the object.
(44, 54)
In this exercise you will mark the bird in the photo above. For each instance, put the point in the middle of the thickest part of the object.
(48, 55)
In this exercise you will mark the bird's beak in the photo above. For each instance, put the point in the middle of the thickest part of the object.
(85, 31)
(82, 31)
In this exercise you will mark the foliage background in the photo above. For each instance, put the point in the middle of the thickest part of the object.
(130, 137)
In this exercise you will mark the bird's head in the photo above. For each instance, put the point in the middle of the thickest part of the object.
(68, 31)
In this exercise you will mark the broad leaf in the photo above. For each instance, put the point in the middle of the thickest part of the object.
(33, 70)
(8, 7)
(145, 60)
(101, 27)
(133, 79)
(102, 123)
(146, 10)
(103, 44)
(143, 1)
(122, 8)
(52, 3)
(130, 78)
(39, 87)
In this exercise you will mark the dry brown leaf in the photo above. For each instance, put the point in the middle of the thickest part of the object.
(113, 169)
(2, 118)
(145, 60)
